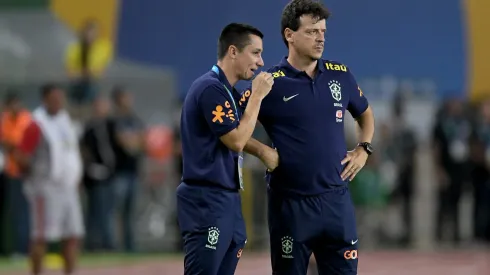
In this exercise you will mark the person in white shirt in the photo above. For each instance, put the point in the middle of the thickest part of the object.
(52, 166)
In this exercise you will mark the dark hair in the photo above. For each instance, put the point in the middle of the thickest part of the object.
(11, 96)
(297, 8)
(235, 34)
(46, 89)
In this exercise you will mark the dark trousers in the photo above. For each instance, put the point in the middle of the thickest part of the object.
(448, 210)
(481, 211)
(4, 200)
(19, 216)
(125, 191)
(100, 216)
(404, 193)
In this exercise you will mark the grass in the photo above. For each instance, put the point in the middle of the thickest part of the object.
(88, 260)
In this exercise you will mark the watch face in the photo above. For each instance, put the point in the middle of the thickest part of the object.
(369, 147)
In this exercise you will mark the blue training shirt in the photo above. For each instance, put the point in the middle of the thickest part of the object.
(304, 118)
(208, 114)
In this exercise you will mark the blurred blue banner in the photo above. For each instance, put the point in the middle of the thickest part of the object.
(416, 41)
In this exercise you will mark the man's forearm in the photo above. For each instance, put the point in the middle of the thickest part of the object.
(366, 123)
(254, 147)
(249, 120)
(237, 139)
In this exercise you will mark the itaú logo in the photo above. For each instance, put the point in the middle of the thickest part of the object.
(350, 254)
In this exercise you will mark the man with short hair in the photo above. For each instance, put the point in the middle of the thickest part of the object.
(99, 163)
(214, 134)
(50, 158)
(310, 209)
(14, 121)
(128, 144)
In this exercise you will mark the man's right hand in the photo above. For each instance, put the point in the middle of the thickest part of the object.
(262, 85)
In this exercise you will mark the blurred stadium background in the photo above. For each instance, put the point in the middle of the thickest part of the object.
(425, 58)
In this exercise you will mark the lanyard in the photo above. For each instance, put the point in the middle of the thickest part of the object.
(215, 69)
(240, 154)
(233, 101)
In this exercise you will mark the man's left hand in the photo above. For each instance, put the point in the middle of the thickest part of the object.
(270, 158)
(357, 159)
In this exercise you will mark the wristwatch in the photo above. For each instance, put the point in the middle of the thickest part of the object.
(367, 147)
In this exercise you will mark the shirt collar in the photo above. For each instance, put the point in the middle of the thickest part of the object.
(222, 77)
(284, 64)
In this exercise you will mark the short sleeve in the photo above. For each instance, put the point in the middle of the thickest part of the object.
(243, 98)
(358, 102)
(218, 110)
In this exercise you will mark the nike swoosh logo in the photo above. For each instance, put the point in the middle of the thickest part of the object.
(354, 242)
(286, 99)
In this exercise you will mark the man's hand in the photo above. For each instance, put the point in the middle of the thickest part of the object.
(262, 85)
(132, 141)
(270, 158)
(357, 159)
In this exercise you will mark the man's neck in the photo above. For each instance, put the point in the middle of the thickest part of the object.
(52, 113)
(227, 68)
(302, 63)
(100, 117)
(14, 114)
(123, 111)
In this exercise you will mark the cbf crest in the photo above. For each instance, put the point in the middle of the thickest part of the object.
(213, 237)
(335, 89)
(287, 247)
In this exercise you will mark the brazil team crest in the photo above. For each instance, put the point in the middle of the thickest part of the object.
(287, 247)
(213, 237)
(335, 89)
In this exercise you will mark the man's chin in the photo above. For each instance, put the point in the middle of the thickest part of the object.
(316, 57)
(248, 76)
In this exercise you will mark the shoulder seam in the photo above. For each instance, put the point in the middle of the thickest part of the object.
(206, 87)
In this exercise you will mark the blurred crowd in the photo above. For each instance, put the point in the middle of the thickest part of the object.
(459, 159)
(111, 147)
(112, 144)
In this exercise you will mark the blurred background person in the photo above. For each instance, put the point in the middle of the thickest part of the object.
(480, 173)
(86, 62)
(403, 152)
(15, 120)
(99, 164)
(177, 149)
(4, 199)
(451, 137)
(129, 149)
(178, 169)
(370, 197)
(50, 158)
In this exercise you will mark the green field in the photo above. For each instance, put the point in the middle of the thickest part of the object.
(91, 260)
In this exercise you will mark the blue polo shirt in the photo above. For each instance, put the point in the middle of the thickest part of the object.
(208, 114)
(304, 118)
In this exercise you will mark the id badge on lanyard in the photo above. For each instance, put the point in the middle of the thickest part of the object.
(240, 154)
(240, 169)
